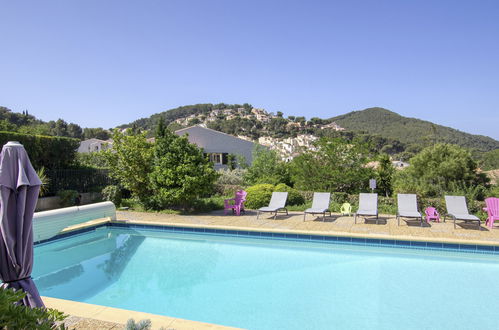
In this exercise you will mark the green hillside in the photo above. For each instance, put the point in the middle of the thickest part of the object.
(411, 131)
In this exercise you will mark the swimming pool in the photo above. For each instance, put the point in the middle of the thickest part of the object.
(259, 283)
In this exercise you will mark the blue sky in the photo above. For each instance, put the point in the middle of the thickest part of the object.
(106, 63)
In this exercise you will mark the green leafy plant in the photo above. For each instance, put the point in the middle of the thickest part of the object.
(140, 325)
(15, 316)
(294, 197)
(384, 175)
(112, 193)
(335, 164)
(42, 174)
(180, 173)
(267, 167)
(438, 170)
(130, 163)
(92, 159)
(67, 197)
(258, 195)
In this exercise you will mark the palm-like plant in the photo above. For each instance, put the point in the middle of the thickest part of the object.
(42, 174)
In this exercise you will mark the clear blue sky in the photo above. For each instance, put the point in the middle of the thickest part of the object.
(106, 63)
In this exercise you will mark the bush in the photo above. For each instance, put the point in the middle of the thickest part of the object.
(140, 325)
(294, 197)
(229, 181)
(13, 316)
(339, 197)
(258, 195)
(45, 151)
(387, 205)
(231, 177)
(227, 190)
(113, 194)
(68, 197)
(208, 204)
(92, 159)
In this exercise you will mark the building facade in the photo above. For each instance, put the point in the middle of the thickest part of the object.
(217, 145)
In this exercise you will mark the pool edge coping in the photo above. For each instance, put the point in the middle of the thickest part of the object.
(120, 316)
(429, 243)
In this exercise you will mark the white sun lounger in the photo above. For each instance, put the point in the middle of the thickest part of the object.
(457, 209)
(407, 205)
(320, 205)
(277, 204)
(368, 206)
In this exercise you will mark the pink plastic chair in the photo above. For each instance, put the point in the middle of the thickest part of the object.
(492, 209)
(431, 214)
(237, 203)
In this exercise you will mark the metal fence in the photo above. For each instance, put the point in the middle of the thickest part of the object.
(81, 180)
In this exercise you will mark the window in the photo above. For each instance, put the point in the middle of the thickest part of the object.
(216, 158)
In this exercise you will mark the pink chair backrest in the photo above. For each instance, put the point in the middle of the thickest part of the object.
(240, 196)
(431, 211)
(492, 204)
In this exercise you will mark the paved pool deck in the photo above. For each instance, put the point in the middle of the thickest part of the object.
(336, 224)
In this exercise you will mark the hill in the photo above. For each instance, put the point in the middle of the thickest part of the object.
(386, 131)
(410, 131)
(27, 124)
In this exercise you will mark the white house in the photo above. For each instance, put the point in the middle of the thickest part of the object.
(218, 145)
(94, 145)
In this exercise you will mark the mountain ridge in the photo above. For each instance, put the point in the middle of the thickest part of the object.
(386, 123)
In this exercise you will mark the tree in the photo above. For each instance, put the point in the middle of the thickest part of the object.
(130, 162)
(384, 175)
(335, 164)
(279, 114)
(75, 131)
(439, 169)
(160, 129)
(98, 133)
(180, 172)
(267, 167)
(60, 128)
(193, 121)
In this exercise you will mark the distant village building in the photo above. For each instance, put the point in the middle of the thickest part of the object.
(398, 164)
(94, 145)
(333, 126)
(218, 145)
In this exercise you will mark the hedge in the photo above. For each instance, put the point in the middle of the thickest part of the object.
(48, 151)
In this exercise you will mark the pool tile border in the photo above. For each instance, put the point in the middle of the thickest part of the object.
(332, 239)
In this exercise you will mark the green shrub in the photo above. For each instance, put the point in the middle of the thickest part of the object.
(294, 197)
(92, 159)
(202, 205)
(140, 325)
(13, 316)
(493, 191)
(307, 195)
(42, 174)
(386, 205)
(258, 195)
(68, 197)
(231, 177)
(45, 151)
(436, 202)
(339, 197)
(227, 190)
(113, 194)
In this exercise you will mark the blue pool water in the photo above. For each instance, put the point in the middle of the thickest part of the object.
(271, 284)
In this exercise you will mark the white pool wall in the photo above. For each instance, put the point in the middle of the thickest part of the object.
(47, 224)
